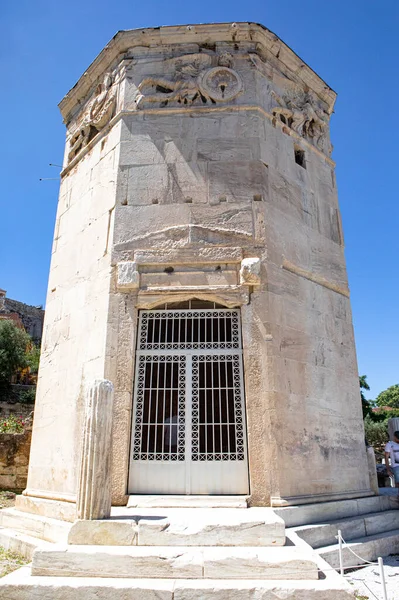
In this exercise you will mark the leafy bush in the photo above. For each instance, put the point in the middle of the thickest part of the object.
(12, 424)
(33, 358)
(16, 351)
(376, 433)
(27, 396)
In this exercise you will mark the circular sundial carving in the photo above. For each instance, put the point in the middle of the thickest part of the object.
(221, 84)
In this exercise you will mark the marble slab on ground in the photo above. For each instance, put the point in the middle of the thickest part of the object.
(183, 562)
(20, 585)
(182, 527)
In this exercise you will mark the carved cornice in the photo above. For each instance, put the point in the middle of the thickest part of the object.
(123, 41)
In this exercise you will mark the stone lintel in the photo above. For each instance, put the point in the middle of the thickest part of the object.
(193, 290)
(230, 298)
(188, 256)
(130, 276)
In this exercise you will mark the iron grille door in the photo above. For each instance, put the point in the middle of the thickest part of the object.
(189, 434)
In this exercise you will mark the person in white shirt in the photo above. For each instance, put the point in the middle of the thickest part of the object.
(392, 456)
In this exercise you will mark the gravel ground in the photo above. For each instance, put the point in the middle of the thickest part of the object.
(8, 560)
(367, 581)
(7, 499)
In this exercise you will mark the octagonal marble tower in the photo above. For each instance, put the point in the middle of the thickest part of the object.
(198, 264)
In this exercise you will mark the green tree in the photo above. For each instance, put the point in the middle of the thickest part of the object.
(14, 343)
(33, 358)
(366, 407)
(376, 433)
(389, 397)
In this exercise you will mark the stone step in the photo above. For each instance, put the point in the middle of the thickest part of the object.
(307, 514)
(54, 509)
(20, 543)
(369, 548)
(20, 585)
(147, 501)
(51, 530)
(176, 563)
(182, 527)
(324, 534)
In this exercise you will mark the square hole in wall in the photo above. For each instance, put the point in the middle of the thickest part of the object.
(300, 157)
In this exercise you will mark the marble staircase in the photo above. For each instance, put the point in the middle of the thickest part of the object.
(369, 526)
(166, 554)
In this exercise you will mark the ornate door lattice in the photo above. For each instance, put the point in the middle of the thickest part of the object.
(189, 433)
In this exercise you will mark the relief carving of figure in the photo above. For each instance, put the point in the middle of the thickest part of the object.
(97, 114)
(193, 82)
(301, 114)
(181, 88)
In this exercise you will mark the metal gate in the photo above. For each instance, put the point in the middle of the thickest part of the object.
(189, 434)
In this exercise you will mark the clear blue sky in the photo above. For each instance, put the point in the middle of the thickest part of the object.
(353, 45)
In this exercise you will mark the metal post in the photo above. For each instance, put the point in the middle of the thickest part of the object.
(384, 588)
(341, 562)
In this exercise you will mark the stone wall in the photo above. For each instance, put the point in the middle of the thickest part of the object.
(14, 460)
(31, 316)
(75, 325)
(168, 202)
(15, 408)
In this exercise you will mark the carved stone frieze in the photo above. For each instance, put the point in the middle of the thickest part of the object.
(193, 81)
(300, 112)
(221, 84)
(97, 114)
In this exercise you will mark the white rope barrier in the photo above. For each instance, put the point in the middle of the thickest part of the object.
(380, 563)
(340, 538)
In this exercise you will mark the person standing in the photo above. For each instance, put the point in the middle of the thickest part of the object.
(392, 458)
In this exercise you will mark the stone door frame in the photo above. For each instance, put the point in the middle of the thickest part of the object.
(120, 368)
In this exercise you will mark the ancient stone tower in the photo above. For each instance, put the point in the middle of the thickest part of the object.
(198, 264)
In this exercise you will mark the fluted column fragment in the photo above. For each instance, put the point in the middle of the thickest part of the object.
(94, 492)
